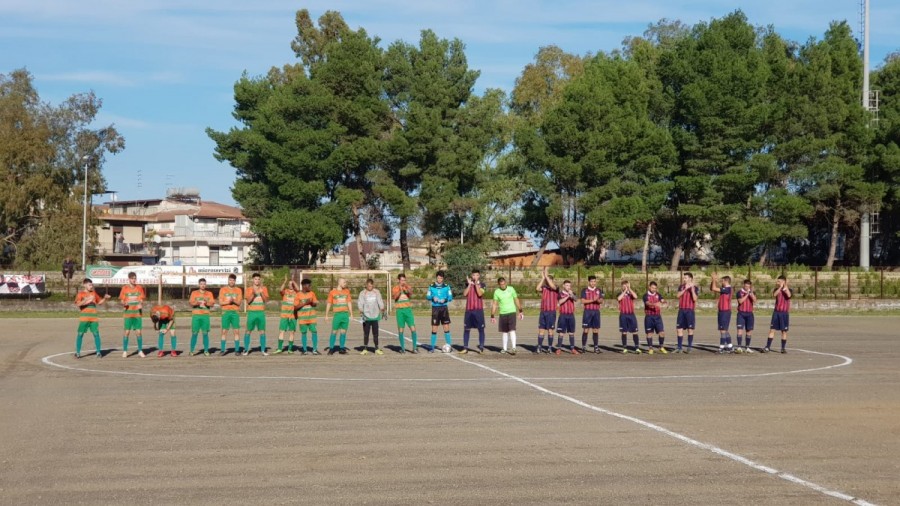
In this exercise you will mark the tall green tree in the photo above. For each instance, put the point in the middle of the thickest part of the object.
(886, 159)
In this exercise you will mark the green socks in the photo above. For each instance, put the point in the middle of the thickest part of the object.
(205, 342)
(78, 339)
(343, 340)
(262, 343)
(140, 340)
(161, 342)
(193, 342)
(125, 343)
(315, 340)
(415, 339)
(174, 342)
(247, 342)
(280, 343)
(222, 346)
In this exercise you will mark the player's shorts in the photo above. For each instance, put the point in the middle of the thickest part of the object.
(256, 320)
(780, 321)
(628, 323)
(405, 318)
(724, 319)
(288, 325)
(591, 319)
(653, 323)
(745, 320)
(686, 319)
(474, 319)
(231, 320)
(341, 321)
(507, 322)
(308, 327)
(440, 315)
(565, 323)
(134, 323)
(547, 320)
(93, 327)
(199, 323)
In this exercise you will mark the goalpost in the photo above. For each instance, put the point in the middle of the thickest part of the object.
(325, 280)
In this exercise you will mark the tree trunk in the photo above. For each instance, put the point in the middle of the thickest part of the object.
(404, 243)
(764, 257)
(679, 248)
(357, 232)
(646, 252)
(832, 247)
(537, 258)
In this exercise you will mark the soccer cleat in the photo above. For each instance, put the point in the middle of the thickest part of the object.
(205, 353)
(688, 349)
(597, 350)
(765, 350)
(464, 351)
(265, 353)
(124, 354)
(141, 354)
(748, 350)
(583, 349)
(330, 351)
(342, 351)
(638, 351)
(402, 351)
(245, 353)
(721, 351)
(431, 349)
(512, 351)
(557, 351)
(173, 353)
(303, 353)
(378, 351)
(783, 351)
(277, 351)
(503, 351)
(77, 355)
(315, 352)
(663, 350)
(575, 351)
(739, 350)
(290, 350)
(195, 353)
(98, 354)
(364, 352)
(160, 354)
(222, 352)
(650, 350)
(624, 351)
(678, 350)
(481, 350)
(414, 351)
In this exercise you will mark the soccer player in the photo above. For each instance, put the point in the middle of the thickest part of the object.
(230, 298)
(87, 300)
(781, 317)
(745, 320)
(255, 297)
(306, 317)
(288, 322)
(724, 316)
(592, 299)
(439, 294)
(402, 294)
(566, 322)
(201, 300)
(371, 309)
(163, 318)
(627, 319)
(547, 318)
(339, 300)
(132, 297)
(687, 301)
(506, 300)
(653, 323)
(474, 319)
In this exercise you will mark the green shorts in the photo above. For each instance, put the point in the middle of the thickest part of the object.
(134, 323)
(93, 327)
(341, 321)
(256, 320)
(200, 323)
(287, 325)
(405, 318)
(309, 327)
(231, 320)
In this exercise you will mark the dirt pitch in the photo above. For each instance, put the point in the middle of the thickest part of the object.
(801, 428)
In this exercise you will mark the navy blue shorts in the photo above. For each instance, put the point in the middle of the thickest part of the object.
(653, 324)
(547, 320)
(745, 321)
(628, 323)
(565, 323)
(474, 319)
(591, 319)
(685, 319)
(724, 320)
(780, 321)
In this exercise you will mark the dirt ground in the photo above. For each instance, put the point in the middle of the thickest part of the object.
(453, 429)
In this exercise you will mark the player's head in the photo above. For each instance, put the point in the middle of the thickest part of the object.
(592, 281)
(256, 279)
(781, 280)
(625, 283)
(687, 277)
(342, 283)
(232, 279)
(476, 275)
(401, 277)
(202, 283)
(501, 281)
(88, 284)
(154, 317)
(370, 284)
(306, 284)
(132, 278)
(748, 284)
(567, 285)
(652, 287)
(439, 277)
(726, 280)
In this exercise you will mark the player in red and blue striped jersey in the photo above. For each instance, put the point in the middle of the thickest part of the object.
(474, 319)
(627, 319)
(566, 322)
(745, 320)
(653, 303)
(724, 315)
(687, 301)
(547, 318)
(592, 298)
(781, 315)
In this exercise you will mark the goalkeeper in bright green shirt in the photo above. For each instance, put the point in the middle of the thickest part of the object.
(506, 301)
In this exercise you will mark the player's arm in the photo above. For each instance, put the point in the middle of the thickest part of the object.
(681, 290)
(694, 291)
(350, 310)
(468, 287)
(283, 283)
(743, 299)
(479, 289)
(584, 299)
(623, 294)
(327, 308)
(449, 298)
(714, 283)
(493, 308)
(265, 295)
(519, 307)
(787, 291)
(752, 296)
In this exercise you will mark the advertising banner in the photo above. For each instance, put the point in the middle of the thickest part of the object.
(22, 284)
(172, 275)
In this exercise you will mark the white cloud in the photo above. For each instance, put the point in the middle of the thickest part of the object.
(92, 77)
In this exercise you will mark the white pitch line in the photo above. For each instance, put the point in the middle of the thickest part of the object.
(685, 439)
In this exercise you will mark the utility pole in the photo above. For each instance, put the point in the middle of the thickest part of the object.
(864, 224)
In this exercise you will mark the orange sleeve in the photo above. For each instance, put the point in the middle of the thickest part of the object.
(248, 292)
(122, 296)
(330, 298)
(143, 292)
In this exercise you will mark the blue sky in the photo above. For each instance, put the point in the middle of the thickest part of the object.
(165, 68)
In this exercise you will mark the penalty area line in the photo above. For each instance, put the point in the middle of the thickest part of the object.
(685, 439)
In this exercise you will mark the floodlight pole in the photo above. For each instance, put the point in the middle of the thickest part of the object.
(85, 159)
(864, 225)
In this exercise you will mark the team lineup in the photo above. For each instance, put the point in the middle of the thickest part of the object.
(298, 311)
